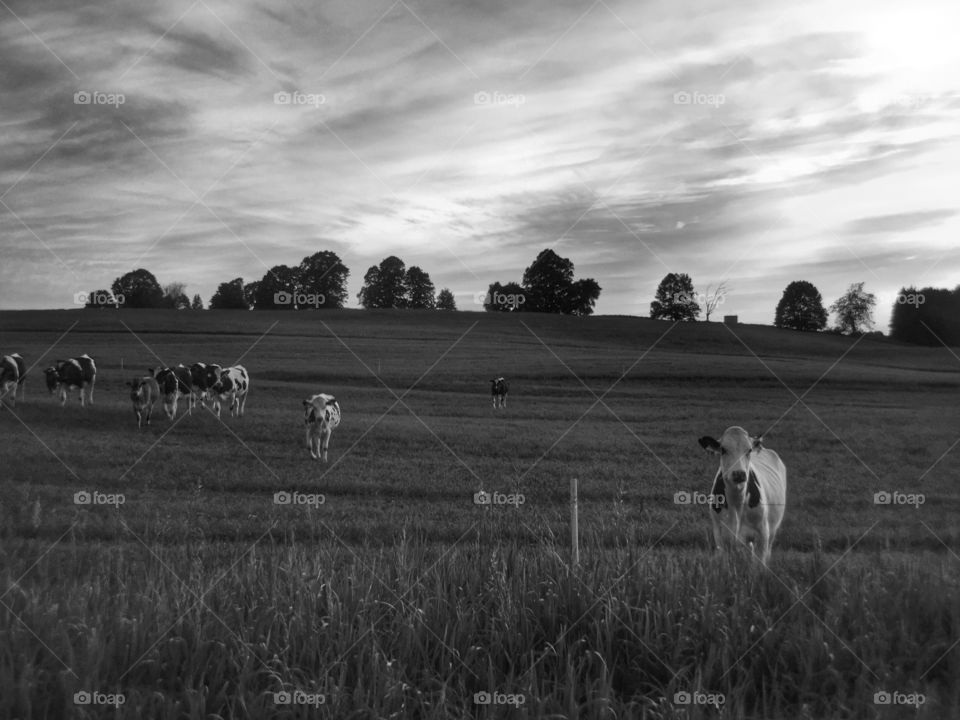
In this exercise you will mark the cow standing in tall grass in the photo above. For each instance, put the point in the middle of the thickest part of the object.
(65, 375)
(498, 390)
(144, 392)
(749, 492)
(320, 417)
(13, 375)
(229, 385)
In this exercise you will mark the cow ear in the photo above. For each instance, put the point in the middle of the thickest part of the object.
(757, 442)
(709, 444)
(331, 401)
(306, 403)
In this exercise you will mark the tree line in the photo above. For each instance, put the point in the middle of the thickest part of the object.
(320, 282)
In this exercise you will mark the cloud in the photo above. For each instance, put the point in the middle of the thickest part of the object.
(899, 222)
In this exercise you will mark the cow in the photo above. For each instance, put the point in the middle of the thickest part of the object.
(80, 373)
(13, 376)
(498, 389)
(173, 382)
(231, 386)
(198, 381)
(321, 414)
(749, 493)
(144, 392)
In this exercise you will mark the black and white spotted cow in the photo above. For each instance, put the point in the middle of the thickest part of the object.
(231, 387)
(321, 414)
(65, 375)
(749, 493)
(144, 392)
(198, 381)
(172, 382)
(498, 390)
(13, 375)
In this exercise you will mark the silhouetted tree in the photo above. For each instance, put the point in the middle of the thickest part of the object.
(675, 299)
(546, 282)
(714, 298)
(229, 296)
(420, 290)
(445, 300)
(101, 299)
(928, 316)
(580, 297)
(197, 303)
(505, 298)
(277, 289)
(854, 309)
(174, 297)
(324, 276)
(250, 293)
(801, 308)
(384, 285)
(140, 289)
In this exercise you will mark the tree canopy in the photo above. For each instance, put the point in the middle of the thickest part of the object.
(547, 286)
(801, 308)
(445, 300)
(139, 288)
(229, 296)
(675, 299)
(854, 309)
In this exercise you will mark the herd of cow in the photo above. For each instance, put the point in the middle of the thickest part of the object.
(748, 496)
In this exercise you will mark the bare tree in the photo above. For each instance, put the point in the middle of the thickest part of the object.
(712, 299)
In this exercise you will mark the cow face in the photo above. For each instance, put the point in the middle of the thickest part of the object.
(734, 449)
(213, 373)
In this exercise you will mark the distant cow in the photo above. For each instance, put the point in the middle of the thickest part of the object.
(173, 382)
(749, 491)
(144, 392)
(198, 381)
(321, 414)
(13, 375)
(65, 375)
(231, 387)
(498, 389)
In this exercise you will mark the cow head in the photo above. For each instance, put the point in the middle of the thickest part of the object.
(136, 389)
(212, 378)
(734, 449)
(53, 378)
(313, 408)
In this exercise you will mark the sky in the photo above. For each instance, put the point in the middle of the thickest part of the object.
(753, 144)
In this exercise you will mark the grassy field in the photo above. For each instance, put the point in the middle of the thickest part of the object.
(397, 596)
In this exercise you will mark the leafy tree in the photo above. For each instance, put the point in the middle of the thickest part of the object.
(854, 309)
(174, 297)
(384, 285)
(420, 290)
(324, 275)
(229, 296)
(580, 297)
(445, 300)
(928, 316)
(101, 299)
(250, 293)
(505, 298)
(546, 282)
(801, 308)
(197, 303)
(139, 288)
(675, 299)
(277, 288)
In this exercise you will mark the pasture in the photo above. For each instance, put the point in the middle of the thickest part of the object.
(397, 596)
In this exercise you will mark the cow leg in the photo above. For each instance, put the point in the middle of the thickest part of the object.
(63, 398)
(326, 441)
(90, 392)
(243, 403)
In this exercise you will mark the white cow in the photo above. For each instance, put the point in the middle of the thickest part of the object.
(321, 414)
(752, 482)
